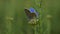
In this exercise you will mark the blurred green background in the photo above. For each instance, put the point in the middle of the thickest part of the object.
(13, 19)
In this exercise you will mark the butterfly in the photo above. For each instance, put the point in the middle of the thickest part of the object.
(32, 14)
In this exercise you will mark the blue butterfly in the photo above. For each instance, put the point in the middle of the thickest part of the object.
(31, 13)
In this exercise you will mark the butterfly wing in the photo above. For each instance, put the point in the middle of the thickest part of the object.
(31, 13)
(28, 13)
(34, 12)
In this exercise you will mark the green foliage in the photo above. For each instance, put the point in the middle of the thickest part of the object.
(14, 21)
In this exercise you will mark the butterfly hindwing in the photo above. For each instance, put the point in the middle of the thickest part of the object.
(33, 15)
